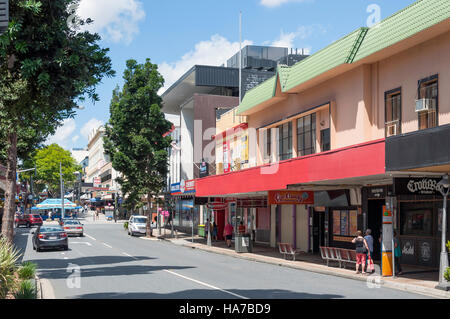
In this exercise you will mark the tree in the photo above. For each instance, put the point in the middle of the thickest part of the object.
(134, 136)
(46, 68)
(47, 162)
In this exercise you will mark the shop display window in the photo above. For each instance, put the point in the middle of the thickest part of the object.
(417, 222)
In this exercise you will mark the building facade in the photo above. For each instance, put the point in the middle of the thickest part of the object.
(347, 134)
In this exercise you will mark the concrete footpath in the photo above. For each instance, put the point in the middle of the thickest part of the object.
(309, 262)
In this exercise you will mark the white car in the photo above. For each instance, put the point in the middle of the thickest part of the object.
(137, 225)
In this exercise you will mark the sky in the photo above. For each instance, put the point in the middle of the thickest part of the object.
(178, 34)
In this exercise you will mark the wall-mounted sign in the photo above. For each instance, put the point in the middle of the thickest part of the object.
(376, 192)
(291, 198)
(343, 239)
(204, 169)
(97, 181)
(183, 187)
(416, 186)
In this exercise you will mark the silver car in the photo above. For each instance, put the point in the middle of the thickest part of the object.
(137, 225)
(73, 227)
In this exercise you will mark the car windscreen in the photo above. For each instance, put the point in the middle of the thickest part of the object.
(140, 220)
(50, 229)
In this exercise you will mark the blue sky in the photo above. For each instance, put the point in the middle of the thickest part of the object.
(177, 34)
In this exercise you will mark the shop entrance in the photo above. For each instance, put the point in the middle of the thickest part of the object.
(375, 212)
(318, 231)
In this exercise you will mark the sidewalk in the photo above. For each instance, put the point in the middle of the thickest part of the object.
(413, 280)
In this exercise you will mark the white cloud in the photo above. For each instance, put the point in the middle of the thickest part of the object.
(62, 134)
(90, 126)
(115, 20)
(75, 138)
(277, 3)
(302, 33)
(215, 51)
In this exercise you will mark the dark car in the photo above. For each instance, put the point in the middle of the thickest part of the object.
(52, 236)
(28, 220)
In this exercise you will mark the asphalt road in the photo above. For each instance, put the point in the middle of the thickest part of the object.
(107, 263)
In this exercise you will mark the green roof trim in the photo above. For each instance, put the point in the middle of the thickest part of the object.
(334, 55)
(401, 25)
(355, 46)
(259, 94)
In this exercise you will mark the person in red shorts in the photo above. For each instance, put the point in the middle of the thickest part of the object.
(361, 250)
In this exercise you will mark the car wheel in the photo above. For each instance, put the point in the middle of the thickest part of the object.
(28, 225)
(38, 249)
(81, 235)
(66, 247)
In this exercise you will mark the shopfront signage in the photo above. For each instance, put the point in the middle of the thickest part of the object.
(377, 192)
(183, 187)
(387, 216)
(291, 198)
(343, 239)
(416, 186)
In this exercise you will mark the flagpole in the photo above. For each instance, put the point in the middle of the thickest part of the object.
(240, 57)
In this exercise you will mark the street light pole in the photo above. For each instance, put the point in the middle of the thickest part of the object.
(62, 191)
(444, 189)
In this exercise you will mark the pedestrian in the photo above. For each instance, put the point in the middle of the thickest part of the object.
(361, 249)
(214, 231)
(369, 240)
(228, 234)
(97, 213)
(241, 228)
(397, 254)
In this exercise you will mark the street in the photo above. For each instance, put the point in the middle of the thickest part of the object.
(107, 263)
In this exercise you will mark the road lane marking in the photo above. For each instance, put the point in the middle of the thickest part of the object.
(90, 236)
(81, 242)
(205, 284)
(129, 256)
(107, 245)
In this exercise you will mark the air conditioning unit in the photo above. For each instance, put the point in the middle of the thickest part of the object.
(425, 105)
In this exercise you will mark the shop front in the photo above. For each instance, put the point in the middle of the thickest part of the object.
(186, 215)
(419, 220)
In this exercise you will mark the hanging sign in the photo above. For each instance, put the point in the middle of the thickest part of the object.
(416, 186)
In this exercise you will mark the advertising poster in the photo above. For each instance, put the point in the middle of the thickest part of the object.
(336, 222)
(344, 223)
(226, 157)
(353, 222)
(244, 149)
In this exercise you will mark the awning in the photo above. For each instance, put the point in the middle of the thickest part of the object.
(55, 203)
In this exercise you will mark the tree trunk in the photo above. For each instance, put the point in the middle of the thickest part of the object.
(10, 191)
(149, 217)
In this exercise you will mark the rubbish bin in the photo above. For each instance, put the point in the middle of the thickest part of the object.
(243, 243)
(201, 230)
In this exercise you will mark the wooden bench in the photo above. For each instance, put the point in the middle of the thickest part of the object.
(287, 249)
(340, 255)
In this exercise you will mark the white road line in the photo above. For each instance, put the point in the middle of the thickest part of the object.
(80, 242)
(90, 236)
(107, 245)
(205, 284)
(129, 256)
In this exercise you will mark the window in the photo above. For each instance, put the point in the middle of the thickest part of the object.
(428, 89)
(267, 143)
(285, 141)
(393, 112)
(325, 144)
(306, 135)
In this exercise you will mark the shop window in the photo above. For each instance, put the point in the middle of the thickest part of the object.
(306, 135)
(393, 112)
(417, 222)
(285, 141)
(345, 222)
(428, 90)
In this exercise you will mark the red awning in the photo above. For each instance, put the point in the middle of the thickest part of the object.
(365, 159)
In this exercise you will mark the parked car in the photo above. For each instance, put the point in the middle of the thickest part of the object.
(63, 220)
(28, 220)
(73, 227)
(52, 236)
(137, 225)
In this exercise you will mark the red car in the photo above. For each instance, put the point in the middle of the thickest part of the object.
(28, 220)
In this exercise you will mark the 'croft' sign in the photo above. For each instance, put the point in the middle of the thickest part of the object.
(416, 186)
